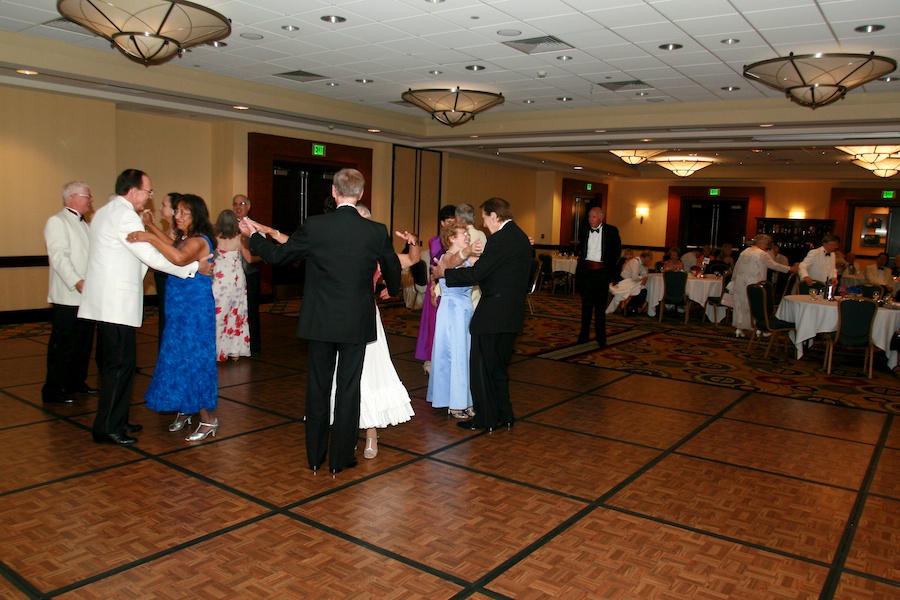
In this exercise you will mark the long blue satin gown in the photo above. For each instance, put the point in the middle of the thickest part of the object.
(448, 386)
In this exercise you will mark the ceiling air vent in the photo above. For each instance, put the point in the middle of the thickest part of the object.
(67, 25)
(302, 76)
(547, 43)
(625, 86)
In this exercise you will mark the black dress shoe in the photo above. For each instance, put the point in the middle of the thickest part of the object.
(64, 399)
(133, 428)
(83, 389)
(122, 439)
(353, 462)
(471, 426)
(314, 468)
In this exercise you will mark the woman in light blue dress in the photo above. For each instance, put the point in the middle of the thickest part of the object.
(448, 386)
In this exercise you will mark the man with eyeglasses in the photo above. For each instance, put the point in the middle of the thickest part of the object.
(241, 207)
(113, 296)
(68, 239)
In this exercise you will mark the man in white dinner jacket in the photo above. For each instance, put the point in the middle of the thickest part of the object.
(68, 239)
(819, 264)
(113, 295)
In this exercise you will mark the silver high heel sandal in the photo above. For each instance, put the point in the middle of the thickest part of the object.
(180, 421)
(371, 450)
(199, 436)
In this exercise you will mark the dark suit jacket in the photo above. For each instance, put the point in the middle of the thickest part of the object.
(503, 272)
(612, 249)
(342, 250)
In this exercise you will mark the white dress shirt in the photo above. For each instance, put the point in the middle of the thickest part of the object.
(595, 245)
(819, 265)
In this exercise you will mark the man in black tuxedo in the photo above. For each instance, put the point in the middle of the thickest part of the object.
(601, 247)
(503, 272)
(337, 314)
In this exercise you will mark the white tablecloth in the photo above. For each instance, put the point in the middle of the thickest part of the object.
(814, 316)
(564, 264)
(698, 289)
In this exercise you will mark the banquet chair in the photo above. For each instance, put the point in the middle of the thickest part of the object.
(816, 285)
(674, 293)
(764, 323)
(869, 290)
(784, 286)
(719, 267)
(535, 282)
(854, 330)
(717, 300)
(546, 270)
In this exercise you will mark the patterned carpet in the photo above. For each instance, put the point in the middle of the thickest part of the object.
(671, 350)
(698, 353)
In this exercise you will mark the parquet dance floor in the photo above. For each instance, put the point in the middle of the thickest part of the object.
(610, 485)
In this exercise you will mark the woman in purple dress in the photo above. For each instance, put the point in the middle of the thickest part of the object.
(425, 340)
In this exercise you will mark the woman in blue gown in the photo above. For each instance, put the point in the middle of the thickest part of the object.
(189, 337)
(448, 386)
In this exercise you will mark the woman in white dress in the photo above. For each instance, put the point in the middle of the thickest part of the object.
(230, 290)
(384, 400)
(751, 267)
(634, 278)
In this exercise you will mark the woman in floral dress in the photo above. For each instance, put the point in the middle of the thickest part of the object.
(230, 290)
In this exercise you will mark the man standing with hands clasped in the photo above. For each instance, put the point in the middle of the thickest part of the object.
(601, 247)
(503, 274)
(68, 240)
(337, 313)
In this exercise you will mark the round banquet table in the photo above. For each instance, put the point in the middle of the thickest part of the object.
(819, 316)
(698, 289)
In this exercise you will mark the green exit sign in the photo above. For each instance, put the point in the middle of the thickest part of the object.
(590, 186)
(888, 195)
(713, 191)
(318, 149)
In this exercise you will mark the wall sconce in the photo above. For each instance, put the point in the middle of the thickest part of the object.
(797, 214)
(642, 211)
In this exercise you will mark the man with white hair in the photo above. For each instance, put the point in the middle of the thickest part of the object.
(68, 240)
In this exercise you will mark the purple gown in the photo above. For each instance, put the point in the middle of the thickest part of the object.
(429, 313)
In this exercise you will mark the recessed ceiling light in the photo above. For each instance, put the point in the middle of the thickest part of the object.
(766, 124)
(509, 32)
(434, 1)
(671, 47)
(374, 130)
(216, 44)
(599, 131)
(528, 101)
(473, 137)
(578, 168)
(251, 36)
(239, 107)
(474, 17)
(333, 19)
(564, 99)
(642, 94)
(887, 79)
(868, 28)
(731, 88)
(290, 28)
(475, 68)
(730, 41)
(332, 84)
(563, 57)
(26, 72)
(364, 80)
(435, 72)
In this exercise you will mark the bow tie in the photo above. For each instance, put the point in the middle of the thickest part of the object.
(828, 254)
(595, 230)
(75, 212)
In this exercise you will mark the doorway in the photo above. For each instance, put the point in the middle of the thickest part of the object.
(713, 223)
(298, 192)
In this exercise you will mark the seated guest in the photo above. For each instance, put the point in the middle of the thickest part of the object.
(627, 254)
(895, 268)
(724, 255)
(851, 266)
(673, 262)
(631, 287)
(880, 273)
(691, 258)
